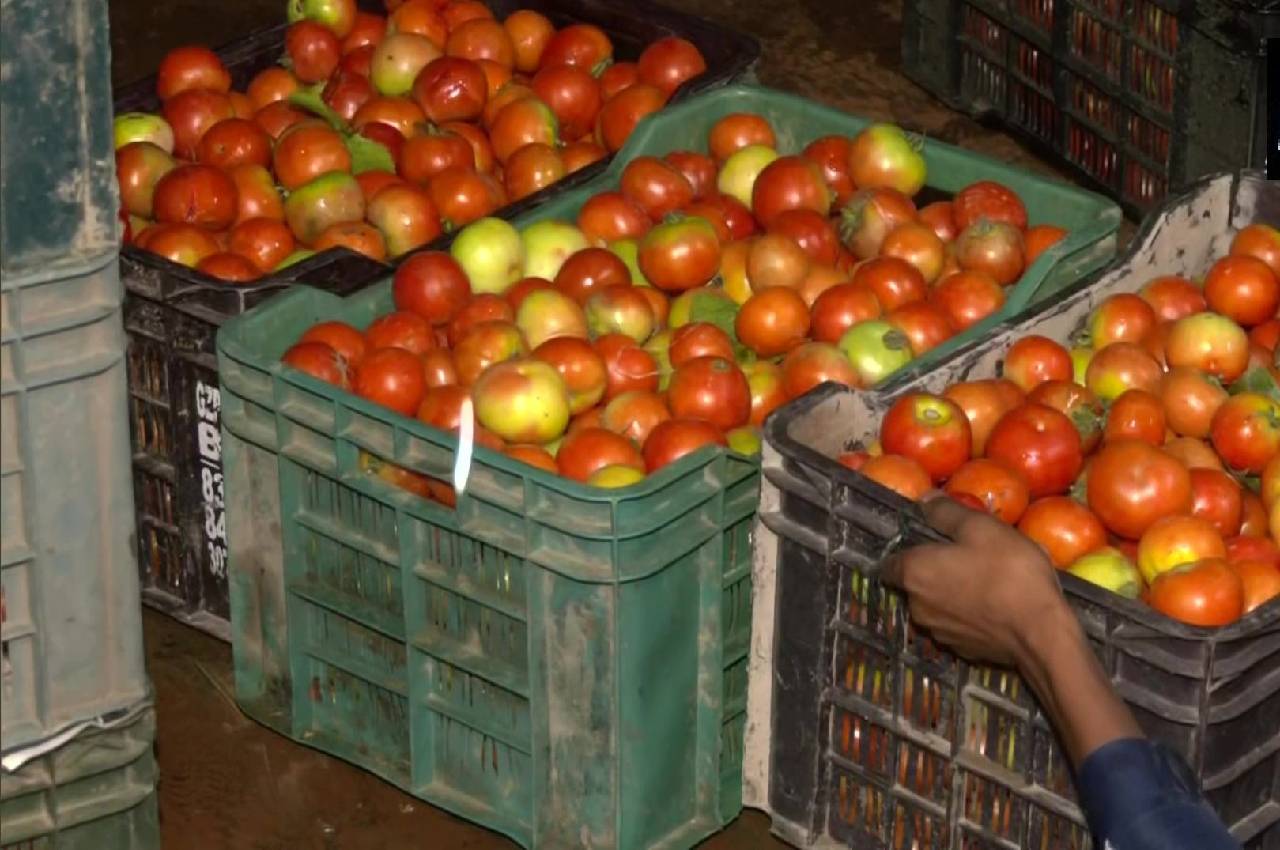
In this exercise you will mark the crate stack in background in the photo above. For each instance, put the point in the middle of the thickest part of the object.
(70, 621)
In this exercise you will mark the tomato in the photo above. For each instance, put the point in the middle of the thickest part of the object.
(367, 29)
(180, 243)
(406, 216)
(535, 456)
(635, 414)
(1245, 548)
(1216, 498)
(1246, 431)
(530, 32)
(229, 267)
(359, 61)
(679, 255)
(811, 230)
(196, 194)
(1206, 593)
(1243, 288)
(1193, 453)
(354, 236)
(1173, 298)
(580, 367)
(994, 248)
(463, 196)
(771, 322)
(319, 361)
(831, 155)
(520, 123)
(532, 168)
(484, 344)
(894, 281)
(882, 155)
(1064, 528)
(399, 112)
(673, 439)
(776, 260)
(629, 367)
(1039, 239)
(270, 85)
(373, 182)
(1122, 366)
(984, 403)
(313, 50)
(840, 308)
(622, 112)
(431, 285)
(1041, 443)
(401, 329)
(573, 95)
(698, 339)
(578, 155)
(990, 201)
(591, 270)
(391, 377)
(669, 62)
(710, 388)
(736, 131)
(916, 243)
(458, 12)
(1136, 415)
(1131, 484)
(1077, 403)
(967, 297)
(869, 216)
(1253, 516)
(876, 349)
(1270, 489)
(347, 341)
(736, 216)
(481, 38)
(788, 183)
(814, 363)
(610, 216)
(853, 460)
(1261, 241)
(1190, 400)
(191, 113)
(998, 490)
(346, 92)
(139, 167)
(1266, 335)
(1120, 318)
(1176, 540)
(264, 242)
(193, 67)
(582, 45)
(1034, 360)
(925, 326)
(450, 88)
(233, 142)
(655, 186)
(902, 475)
(1261, 582)
(768, 392)
(937, 216)
(306, 152)
(930, 429)
(1210, 343)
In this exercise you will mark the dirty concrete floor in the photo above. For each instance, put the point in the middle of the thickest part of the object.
(229, 784)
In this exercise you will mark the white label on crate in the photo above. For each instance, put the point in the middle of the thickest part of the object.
(209, 447)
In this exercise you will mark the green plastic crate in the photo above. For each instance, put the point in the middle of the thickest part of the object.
(562, 664)
(1091, 219)
(95, 792)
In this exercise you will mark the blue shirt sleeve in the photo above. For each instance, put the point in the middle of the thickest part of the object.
(1138, 795)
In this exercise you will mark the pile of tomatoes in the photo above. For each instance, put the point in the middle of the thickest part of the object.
(376, 133)
(684, 307)
(1145, 458)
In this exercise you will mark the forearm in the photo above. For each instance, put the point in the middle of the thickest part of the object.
(1072, 686)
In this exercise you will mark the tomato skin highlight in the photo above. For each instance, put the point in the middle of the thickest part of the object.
(931, 430)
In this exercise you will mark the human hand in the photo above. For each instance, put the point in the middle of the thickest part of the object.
(991, 595)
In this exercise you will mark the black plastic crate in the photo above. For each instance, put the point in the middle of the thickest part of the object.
(172, 314)
(1140, 97)
(879, 739)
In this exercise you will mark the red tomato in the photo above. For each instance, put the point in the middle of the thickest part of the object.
(1210, 343)
(931, 430)
(655, 186)
(869, 216)
(1261, 581)
(634, 415)
(673, 439)
(229, 267)
(481, 38)
(1131, 484)
(999, 490)
(840, 308)
(669, 62)
(894, 281)
(902, 475)
(831, 155)
(391, 377)
(483, 345)
(180, 243)
(196, 194)
(630, 368)
(984, 403)
(439, 367)
(768, 392)
(736, 131)
(1034, 360)
(1064, 528)
(431, 285)
(1207, 593)
(622, 112)
(939, 218)
(1246, 431)
(994, 248)
(776, 260)
(591, 270)
(270, 85)
(1120, 318)
(462, 196)
(1177, 540)
(193, 67)
(520, 123)
(306, 152)
(1136, 415)
(710, 388)
(698, 339)
(1261, 241)
(1266, 335)
(578, 155)
(573, 95)
(1042, 444)
(1190, 401)
(812, 231)
(313, 50)
(1173, 298)
(924, 325)
(580, 366)
(814, 363)
(1243, 548)
(588, 450)
(1216, 498)
(450, 88)
(1244, 289)
(990, 201)
(1081, 406)
(916, 243)
(609, 216)
(679, 255)
(581, 45)
(1039, 239)
(531, 169)
(618, 77)
(263, 241)
(772, 322)
(1253, 516)
(789, 183)
(354, 236)
(967, 297)
(530, 33)
(233, 142)
(401, 329)
(1122, 366)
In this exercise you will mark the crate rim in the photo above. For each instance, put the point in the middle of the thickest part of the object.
(1264, 618)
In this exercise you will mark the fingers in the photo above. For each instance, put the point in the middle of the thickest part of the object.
(946, 515)
(908, 570)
